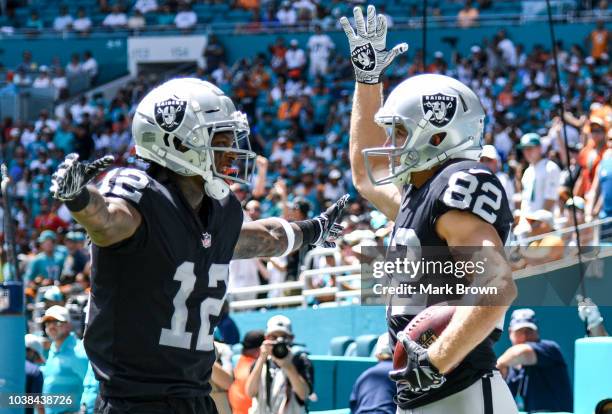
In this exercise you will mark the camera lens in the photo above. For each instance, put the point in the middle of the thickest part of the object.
(280, 350)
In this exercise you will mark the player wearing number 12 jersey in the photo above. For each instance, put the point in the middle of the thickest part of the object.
(162, 242)
(422, 174)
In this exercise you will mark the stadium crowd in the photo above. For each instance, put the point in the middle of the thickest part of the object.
(299, 112)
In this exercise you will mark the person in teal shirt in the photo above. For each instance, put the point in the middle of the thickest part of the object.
(49, 262)
(67, 363)
(91, 388)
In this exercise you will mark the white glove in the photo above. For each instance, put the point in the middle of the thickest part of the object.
(368, 46)
(589, 312)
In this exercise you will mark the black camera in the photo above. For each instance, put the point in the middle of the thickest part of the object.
(280, 349)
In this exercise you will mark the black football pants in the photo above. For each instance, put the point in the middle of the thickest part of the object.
(202, 405)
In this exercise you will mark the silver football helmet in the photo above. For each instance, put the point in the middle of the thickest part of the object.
(429, 119)
(174, 126)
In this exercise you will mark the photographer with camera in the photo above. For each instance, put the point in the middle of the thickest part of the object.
(280, 381)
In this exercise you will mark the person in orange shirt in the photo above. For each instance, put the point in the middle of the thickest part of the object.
(238, 398)
(599, 40)
(590, 156)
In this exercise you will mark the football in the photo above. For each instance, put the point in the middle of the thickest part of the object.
(424, 328)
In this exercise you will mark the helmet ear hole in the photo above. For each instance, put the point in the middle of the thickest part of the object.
(436, 139)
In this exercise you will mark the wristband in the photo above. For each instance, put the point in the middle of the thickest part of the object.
(290, 235)
(79, 202)
(311, 230)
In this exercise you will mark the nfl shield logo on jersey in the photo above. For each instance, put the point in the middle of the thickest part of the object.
(206, 240)
(170, 113)
(363, 57)
(443, 107)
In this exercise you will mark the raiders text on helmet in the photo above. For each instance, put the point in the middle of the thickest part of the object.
(175, 124)
(430, 119)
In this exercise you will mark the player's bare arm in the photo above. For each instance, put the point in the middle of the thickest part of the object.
(275, 237)
(107, 220)
(370, 58)
(470, 325)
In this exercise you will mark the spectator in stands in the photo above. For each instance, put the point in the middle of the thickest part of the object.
(214, 53)
(74, 67)
(507, 49)
(34, 25)
(588, 312)
(599, 39)
(145, 6)
(490, 157)
(252, 5)
(22, 78)
(91, 388)
(42, 80)
(67, 362)
(599, 198)
(295, 59)
(286, 15)
(90, 66)
(185, 19)
(27, 64)
(279, 383)
(238, 398)
(534, 368)
(80, 108)
(34, 377)
(165, 16)
(306, 10)
(282, 152)
(468, 16)
(60, 83)
(116, 19)
(320, 46)
(373, 391)
(63, 20)
(334, 188)
(590, 156)
(49, 262)
(82, 24)
(540, 180)
(76, 256)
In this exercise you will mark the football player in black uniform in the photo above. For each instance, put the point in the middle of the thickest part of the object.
(162, 243)
(422, 175)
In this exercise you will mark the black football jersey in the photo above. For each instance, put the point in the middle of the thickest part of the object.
(463, 185)
(157, 296)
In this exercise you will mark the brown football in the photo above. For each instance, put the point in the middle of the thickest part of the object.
(424, 329)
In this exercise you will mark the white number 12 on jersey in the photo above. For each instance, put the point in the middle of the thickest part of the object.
(177, 336)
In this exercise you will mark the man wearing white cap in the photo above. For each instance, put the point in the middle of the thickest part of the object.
(334, 186)
(279, 380)
(534, 368)
(67, 362)
(374, 391)
(490, 157)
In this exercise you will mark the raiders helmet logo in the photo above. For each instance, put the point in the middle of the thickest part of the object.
(442, 106)
(170, 113)
(364, 57)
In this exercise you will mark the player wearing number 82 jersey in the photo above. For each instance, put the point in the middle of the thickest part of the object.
(422, 175)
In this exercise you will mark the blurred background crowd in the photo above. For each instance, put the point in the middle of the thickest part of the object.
(297, 97)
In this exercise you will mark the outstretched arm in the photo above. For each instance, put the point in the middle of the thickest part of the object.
(275, 237)
(364, 134)
(107, 220)
(370, 57)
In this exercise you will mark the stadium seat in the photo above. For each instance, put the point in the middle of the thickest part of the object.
(338, 345)
(365, 345)
(351, 350)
